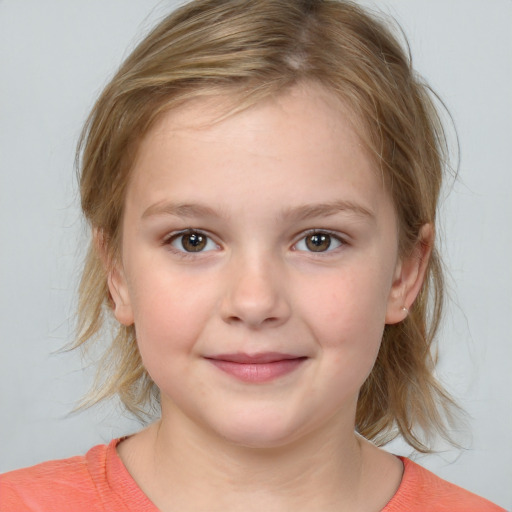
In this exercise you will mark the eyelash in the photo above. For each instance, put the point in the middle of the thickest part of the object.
(182, 252)
(333, 236)
(174, 237)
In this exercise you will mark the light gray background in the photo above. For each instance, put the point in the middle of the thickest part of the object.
(56, 55)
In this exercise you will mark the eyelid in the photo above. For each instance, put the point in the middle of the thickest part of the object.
(333, 234)
(175, 235)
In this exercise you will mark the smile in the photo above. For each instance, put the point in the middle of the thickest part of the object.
(257, 368)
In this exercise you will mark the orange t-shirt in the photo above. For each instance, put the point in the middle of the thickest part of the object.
(99, 481)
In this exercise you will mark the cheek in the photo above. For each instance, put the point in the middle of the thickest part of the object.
(170, 312)
(351, 303)
(346, 314)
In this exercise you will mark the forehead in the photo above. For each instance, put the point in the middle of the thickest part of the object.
(305, 132)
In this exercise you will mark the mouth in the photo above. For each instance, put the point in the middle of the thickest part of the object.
(257, 368)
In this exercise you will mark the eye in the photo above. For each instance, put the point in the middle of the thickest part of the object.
(192, 241)
(318, 241)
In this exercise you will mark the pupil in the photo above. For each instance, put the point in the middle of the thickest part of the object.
(318, 242)
(193, 242)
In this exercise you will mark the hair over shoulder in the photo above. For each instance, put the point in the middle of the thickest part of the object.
(253, 49)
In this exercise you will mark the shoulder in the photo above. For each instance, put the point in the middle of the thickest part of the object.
(55, 485)
(423, 491)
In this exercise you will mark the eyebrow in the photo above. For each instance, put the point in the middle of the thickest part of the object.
(179, 210)
(307, 211)
(296, 213)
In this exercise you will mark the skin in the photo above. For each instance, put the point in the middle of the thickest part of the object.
(256, 185)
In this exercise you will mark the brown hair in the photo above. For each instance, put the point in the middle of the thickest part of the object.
(258, 48)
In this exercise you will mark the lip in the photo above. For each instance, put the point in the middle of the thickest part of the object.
(257, 368)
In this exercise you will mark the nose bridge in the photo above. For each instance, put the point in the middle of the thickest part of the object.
(256, 290)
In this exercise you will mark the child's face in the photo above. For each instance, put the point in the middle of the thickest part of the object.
(269, 235)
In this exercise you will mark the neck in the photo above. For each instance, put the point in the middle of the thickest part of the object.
(196, 471)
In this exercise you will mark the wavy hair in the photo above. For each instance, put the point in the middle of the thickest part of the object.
(254, 49)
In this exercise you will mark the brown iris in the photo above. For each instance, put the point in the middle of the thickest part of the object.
(318, 242)
(193, 242)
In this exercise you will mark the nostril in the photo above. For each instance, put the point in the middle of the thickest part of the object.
(254, 321)
(237, 319)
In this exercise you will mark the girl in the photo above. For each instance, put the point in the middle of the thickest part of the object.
(261, 178)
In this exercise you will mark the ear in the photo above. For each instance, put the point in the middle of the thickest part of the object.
(116, 281)
(409, 277)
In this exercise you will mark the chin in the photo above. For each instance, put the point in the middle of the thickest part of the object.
(259, 431)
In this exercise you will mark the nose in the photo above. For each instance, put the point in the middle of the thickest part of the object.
(255, 295)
